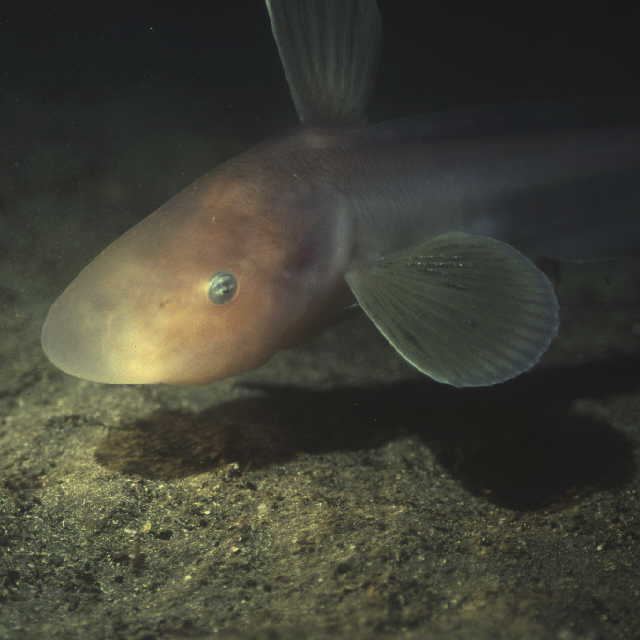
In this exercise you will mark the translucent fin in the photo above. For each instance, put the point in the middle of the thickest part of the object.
(465, 310)
(329, 50)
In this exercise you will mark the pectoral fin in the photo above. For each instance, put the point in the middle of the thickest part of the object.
(329, 51)
(465, 310)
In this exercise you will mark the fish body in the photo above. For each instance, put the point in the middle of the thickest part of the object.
(544, 193)
(430, 225)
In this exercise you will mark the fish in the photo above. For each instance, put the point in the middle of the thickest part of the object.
(432, 226)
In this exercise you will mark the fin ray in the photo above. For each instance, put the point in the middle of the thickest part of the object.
(329, 50)
(465, 310)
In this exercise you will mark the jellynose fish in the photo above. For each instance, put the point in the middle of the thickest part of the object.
(432, 225)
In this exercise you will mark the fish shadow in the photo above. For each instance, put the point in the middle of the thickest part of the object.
(541, 439)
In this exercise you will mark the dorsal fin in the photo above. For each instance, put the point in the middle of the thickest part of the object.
(329, 50)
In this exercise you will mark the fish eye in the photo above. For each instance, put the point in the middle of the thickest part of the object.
(222, 287)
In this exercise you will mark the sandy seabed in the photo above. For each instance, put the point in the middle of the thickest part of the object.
(331, 494)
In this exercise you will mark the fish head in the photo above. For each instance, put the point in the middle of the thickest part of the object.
(209, 285)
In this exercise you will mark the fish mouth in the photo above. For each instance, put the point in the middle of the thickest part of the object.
(67, 349)
(90, 338)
